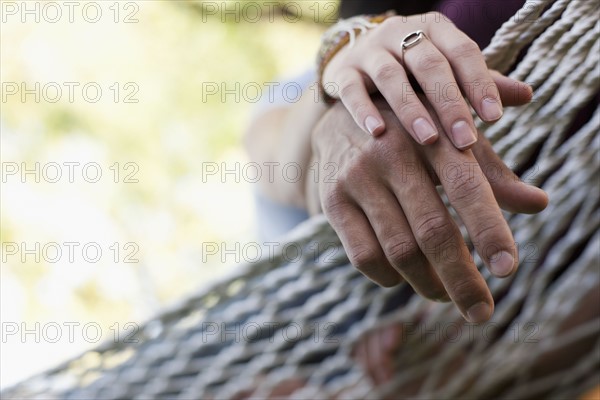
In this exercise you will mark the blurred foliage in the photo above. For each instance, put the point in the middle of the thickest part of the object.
(319, 12)
(168, 54)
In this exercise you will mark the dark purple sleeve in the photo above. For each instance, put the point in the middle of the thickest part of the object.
(479, 19)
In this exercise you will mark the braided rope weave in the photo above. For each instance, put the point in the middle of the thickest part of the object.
(319, 306)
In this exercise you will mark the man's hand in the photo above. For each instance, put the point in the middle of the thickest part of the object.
(384, 205)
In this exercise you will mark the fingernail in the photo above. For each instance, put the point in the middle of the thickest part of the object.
(423, 129)
(491, 109)
(480, 312)
(502, 263)
(463, 134)
(372, 124)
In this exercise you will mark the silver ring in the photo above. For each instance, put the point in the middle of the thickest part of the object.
(412, 39)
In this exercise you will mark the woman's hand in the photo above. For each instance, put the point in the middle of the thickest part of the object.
(445, 62)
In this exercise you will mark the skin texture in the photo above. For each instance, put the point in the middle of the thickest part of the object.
(382, 198)
(384, 206)
(447, 65)
(283, 135)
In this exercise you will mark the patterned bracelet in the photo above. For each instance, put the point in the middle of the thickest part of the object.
(343, 33)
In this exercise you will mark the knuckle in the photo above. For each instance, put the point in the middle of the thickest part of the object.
(465, 290)
(433, 229)
(360, 109)
(486, 229)
(481, 83)
(333, 203)
(430, 61)
(386, 71)
(390, 24)
(356, 172)
(453, 106)
(408, 110)
(480, 87)
(466, 190)
(487, 87)
(466, 49)
(349, 88)
(357, 106)
(364, 258)
(401, 250)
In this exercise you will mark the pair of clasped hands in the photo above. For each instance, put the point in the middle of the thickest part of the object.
(394, 148)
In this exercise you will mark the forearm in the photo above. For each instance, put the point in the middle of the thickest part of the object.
(283, 136)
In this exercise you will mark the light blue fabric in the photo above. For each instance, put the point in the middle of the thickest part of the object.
(284, 93)
(275, 219)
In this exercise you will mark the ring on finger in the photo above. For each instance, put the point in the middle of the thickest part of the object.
(412, 39)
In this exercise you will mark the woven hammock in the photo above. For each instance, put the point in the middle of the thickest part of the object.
(299, 320)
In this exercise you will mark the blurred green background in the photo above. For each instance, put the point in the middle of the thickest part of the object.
(158, 128)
